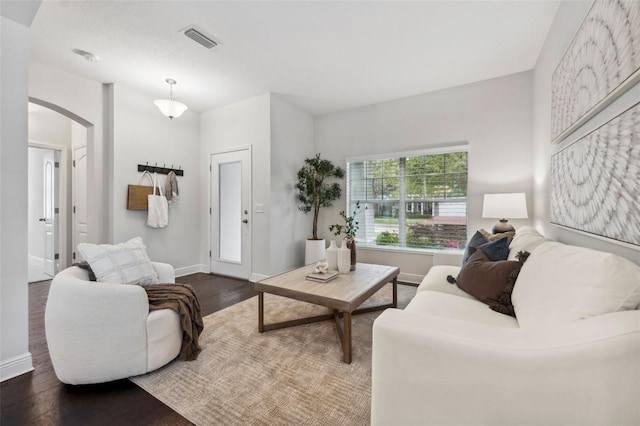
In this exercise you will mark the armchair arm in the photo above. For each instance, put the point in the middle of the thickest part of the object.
(434, 370)
(96, 332)
(166, 273)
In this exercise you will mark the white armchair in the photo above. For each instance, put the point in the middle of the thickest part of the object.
(98, 332)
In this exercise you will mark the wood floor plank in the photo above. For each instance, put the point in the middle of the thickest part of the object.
(39, 398)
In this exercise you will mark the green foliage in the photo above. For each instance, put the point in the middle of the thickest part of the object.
(351, 226)
(313, 190)
(418, 215)
(387, 238)
(422, 235)
(427, 177)
(427, 236)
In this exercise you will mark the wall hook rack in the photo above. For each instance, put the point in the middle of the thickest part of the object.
(162, 170)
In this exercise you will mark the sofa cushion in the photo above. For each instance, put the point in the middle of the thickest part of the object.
(486, 238)
(561, 283)
(125, 263)
(457, 308)
(492, 237)
(436, 280)
(476, 241)
(486, 280)
(494, 250)
(526, 239)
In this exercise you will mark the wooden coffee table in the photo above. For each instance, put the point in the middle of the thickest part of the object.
(343, 295)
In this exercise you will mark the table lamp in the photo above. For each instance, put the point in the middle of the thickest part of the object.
(504, 207)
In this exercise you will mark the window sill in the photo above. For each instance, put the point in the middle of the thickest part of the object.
(408, 250)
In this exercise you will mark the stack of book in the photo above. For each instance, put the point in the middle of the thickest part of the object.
(322, 278)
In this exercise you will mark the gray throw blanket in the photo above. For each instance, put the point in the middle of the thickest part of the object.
(182, 299)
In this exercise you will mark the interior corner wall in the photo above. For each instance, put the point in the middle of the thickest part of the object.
(493, 116)
(15, 358)
(291, 142)
(568, 19)
(141, 135)
(241, 124)
(84, 98)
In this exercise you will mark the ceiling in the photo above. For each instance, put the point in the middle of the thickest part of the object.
(323, 56)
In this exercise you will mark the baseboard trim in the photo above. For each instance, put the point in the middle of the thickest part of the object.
(257, 277)
(193, 269)
(16, 366)
(410, 278)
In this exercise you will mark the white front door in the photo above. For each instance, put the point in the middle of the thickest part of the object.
(50, 216)
(79, 200)
(231, 213)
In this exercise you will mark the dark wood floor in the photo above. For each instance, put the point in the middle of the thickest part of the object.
(38, 398)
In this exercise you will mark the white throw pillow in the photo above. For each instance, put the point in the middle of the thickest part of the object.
(125, 263)
(561, 283)
(526, 239)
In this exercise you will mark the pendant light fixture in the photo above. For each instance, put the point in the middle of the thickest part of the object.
(170, 107)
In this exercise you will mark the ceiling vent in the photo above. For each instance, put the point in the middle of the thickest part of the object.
(200, 38)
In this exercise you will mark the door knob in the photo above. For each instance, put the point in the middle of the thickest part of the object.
(245, 221)
(42, 219)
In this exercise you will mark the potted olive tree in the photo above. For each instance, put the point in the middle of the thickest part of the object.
(314, 192)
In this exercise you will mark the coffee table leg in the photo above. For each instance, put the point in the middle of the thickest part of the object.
(260, 312)
(346, 338)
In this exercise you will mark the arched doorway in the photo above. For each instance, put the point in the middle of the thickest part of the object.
(73, 150)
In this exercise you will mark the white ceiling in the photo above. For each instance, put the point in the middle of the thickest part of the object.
(323, 56)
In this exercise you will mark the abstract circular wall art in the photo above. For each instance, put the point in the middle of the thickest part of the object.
(595, 182)
(601, 62)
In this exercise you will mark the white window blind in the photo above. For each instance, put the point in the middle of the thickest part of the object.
(412, 200)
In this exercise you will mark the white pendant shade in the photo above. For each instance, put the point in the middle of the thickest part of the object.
(171, 108)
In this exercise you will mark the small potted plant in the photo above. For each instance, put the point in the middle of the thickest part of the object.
(314, 192)
(350, 228)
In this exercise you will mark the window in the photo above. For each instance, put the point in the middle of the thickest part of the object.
(417, 200)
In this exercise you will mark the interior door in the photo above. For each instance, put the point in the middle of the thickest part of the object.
(231, 213)
(79, 200)
(49, 216)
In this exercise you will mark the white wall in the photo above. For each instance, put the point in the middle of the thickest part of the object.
(242, 124)
(570, 16)
(49, 127)
(494, 116)
(142, 134)
(15, 358)
(291, 142)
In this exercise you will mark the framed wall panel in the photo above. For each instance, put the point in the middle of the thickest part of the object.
(601, 62)
(595, 181)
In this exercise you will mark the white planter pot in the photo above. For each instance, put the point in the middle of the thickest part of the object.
(314, 251)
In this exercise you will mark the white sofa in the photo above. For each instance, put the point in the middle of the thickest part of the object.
(99, 331)
(571, 358)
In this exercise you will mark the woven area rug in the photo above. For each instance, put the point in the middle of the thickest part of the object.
(288, 376)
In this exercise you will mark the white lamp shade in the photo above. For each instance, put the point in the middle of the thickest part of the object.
(505, 206)
(171, 108)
